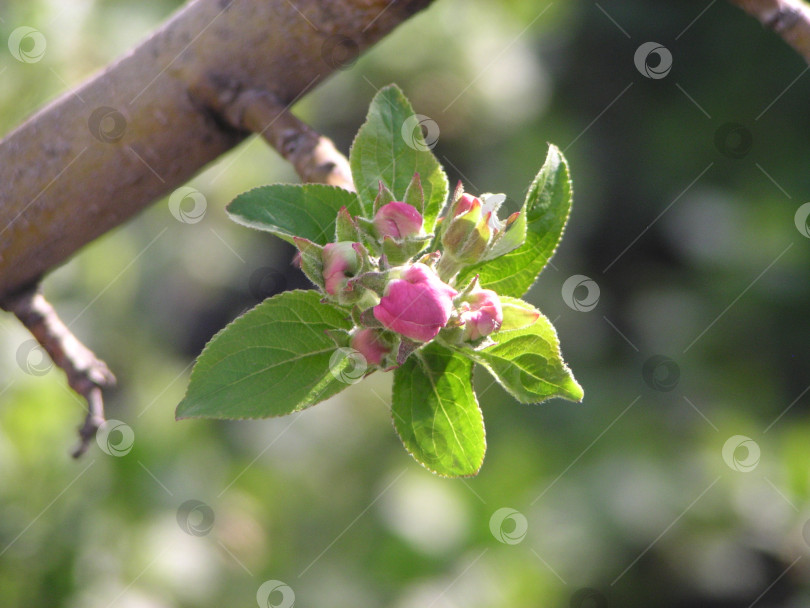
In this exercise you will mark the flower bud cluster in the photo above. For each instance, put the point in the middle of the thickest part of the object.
(401, 298)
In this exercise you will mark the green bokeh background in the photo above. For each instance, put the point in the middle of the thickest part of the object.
(686, 225)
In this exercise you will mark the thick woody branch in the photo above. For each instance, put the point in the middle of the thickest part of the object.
(146, 124)
(788, 18)
(86, 374)
(314, 156)
(101, 153)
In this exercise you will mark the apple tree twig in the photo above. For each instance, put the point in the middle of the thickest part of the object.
(314, 156)
(86, 374)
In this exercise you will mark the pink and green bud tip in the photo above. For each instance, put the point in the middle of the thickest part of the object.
(468, 232)
(368, 343)
(398, 221)
(340, 262)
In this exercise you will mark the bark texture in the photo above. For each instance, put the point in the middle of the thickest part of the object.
(101, 153)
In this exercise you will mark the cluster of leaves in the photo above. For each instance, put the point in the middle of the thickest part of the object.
(278, 358)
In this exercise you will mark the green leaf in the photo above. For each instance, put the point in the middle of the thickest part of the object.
(290, 210)
(273, 360)
(436, 413)
(390, 147)
(547, 206)
(527, 362)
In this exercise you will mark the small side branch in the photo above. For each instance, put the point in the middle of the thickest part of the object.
(788, 18)
(314, 156)
(86, 374)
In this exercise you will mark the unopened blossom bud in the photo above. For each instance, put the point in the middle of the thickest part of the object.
(340, 262)
(464, 204)
(398, 220)
(417, 305)
(468, 232)
(482, 314)
(367, 342)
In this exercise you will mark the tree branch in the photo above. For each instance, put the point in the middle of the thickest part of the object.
(314, 156)
(101, 153)
(86, 374)
(95, 157)
(788, 18)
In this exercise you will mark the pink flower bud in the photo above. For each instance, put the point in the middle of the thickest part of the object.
(340, 262)
(368, 343)
(481, 314)
(398, 220)
(418, 305)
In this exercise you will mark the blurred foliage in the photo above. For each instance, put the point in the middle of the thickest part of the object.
(688, 232)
